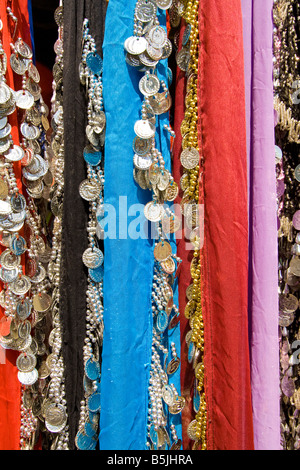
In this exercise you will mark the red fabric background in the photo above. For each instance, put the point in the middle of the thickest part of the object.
(10, 388)
(222, 131)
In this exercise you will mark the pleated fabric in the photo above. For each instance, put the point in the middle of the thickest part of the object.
(10, 387)
(263, 250)
(75, 209)
(129, 261)
(222, 131)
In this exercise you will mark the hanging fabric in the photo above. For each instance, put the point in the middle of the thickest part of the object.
(225, 259)
(129, 280)
(263, 252)
(75, 209)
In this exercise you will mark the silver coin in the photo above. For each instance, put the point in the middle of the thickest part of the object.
(14, 154)
(146, 60)
(17, 227)
(23, 309)
(157, 37)
(144, 129)
(149, 85)
(183, 59)
(98, 121)
(141, 146)
(9, 275)
(21, 286)
(32, 176)
(92, 135)
(34, 166)
(24, 329)
(5, 144)
(44, 165)
(295, 266)
(55, 415)
(164, 4)
(39, 275)
(5, 131)
(24, 99)
(153, 52)
(92, 258)
(9, 260)
(5, 93)
(23, 49)
(3, 122)
(89, 190)
(163, 180)
(29, 131)
(142, 162)
(136, 45)
(132, 60)
(145, 10)
(189, 158)
(33, 72)
(17, 217)
(168, 395)
(18, 64)
(18, 204)
(6, 224)
(167, 49)
(286, 319)
(33, 88)
(153, 211)
(9, 109)
(28, 378)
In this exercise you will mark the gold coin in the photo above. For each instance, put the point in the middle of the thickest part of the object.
(190, 309)
(178, 406)
(173, 366)
(168, 265)
(189, 291)
(171, 192)
(162, 251)
(192, 430)
(176, 445)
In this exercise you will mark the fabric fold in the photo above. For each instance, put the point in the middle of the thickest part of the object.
(222, 132)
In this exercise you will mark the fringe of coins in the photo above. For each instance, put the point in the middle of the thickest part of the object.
(187, 60)
(286, 77)
(56, 418)
(25, 297)
(144, 49)
(91, 190)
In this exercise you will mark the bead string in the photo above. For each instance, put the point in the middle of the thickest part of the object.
(91, 77)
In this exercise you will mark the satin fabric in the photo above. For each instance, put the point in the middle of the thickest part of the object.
(129, 262)
(10, 387)
(128, 265)
(222, 140)
(263, 251)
